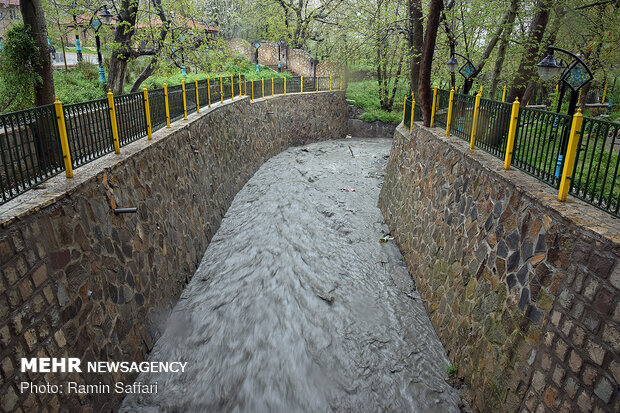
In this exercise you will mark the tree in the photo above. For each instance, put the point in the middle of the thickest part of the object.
(416, 41)
(426, 64)
(527, 67)
(34, 22)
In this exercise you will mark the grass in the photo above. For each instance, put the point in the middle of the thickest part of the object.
(365, 95)
(451, 369)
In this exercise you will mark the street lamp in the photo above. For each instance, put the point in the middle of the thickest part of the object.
(280, 41)
(105, 17)
(78, 46)
(575, 76)
(468, 70)
(257, 45)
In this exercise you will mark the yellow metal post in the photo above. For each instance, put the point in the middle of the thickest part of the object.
(571, 154)
(512, 131)
(412, 112)
(262, 84)
(252, 84)
(64, 142)
(209, 91)
(340, 79)
(474, 125)
(302, 84)
(147, 113)
(404, 107)
(317, 83)
(480, 89)
(117, 147)
(272, 88)
(604, 94)
(434, 107)
(240, 91)
(579, 98)
(330, 83)
(285, 86)
(504, 95)
(184, 100)
(197, 97)
(221, 90)
(449, 120)
(245, 87)
(167, 105)
(232, 87)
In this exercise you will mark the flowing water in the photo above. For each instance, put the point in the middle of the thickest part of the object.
(297, 306)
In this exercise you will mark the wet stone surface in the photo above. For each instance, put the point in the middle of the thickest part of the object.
(296, 305)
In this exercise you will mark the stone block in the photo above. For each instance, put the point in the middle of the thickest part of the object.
(575, 361)
(585, 403)
(611, 336)
(604, 390)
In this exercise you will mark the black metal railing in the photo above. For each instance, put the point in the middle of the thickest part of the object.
(462, 115)
(417, 113)
(29, 150)
(89, 131)
(492, 128)
(595, 176)
(131, 117)
(540, 143)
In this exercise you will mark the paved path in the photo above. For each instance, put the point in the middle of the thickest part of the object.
(297, 307)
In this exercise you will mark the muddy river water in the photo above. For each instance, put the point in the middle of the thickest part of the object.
(297, 306)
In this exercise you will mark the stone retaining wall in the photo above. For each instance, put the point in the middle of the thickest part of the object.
(521, 289)
(79, 281)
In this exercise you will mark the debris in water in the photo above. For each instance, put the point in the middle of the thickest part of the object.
(347, 189)
(353, 156)
(387, 237)
(348, 137)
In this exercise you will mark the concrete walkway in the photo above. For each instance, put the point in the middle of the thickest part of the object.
(297, 306)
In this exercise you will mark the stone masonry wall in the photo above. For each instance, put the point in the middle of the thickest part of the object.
(79, 281)
(521, 289)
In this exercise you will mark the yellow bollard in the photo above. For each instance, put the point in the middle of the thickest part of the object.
(262, 83)
(449, 120)
(167, 105)
(317, 84)
(117, 147)
(302, 84)
(272, 88)
(604, 94)
(147, 113)
(197, 97)
(221, 90)
(285, 86)
(252, 84)
(330, 83)
(434, 107)
(340, 82)
(184, 100)
(512, 131)
(412, 112)
(571, 154)
(232, 87)
(474, 125)
(209, 92)
(240, 91)
(64, 141)
(579, 98)
(404, 107)
(504, 95)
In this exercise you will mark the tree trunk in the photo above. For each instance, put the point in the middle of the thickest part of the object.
(416, 41)
(426, 64)
(501, 52)
(527, 67)
(34, 20)
(125, 29)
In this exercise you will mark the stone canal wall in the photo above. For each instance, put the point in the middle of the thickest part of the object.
(79, 281)
(521, 289)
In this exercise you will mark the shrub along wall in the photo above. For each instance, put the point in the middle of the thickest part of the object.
(521, 289)
(79, 281)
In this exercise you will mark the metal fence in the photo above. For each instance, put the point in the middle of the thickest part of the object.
(30, 140)
(29, 150)
(541, 140)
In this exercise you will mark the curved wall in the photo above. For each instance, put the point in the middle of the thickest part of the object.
(79, 281)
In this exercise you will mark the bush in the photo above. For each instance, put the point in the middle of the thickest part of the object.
(78, 84)
(19, 59)
(365, 95)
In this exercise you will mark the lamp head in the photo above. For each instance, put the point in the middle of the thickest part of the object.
(548, 67)
(452, 64)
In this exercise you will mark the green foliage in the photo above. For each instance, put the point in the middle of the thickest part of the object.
(78, 84)
(365, 95)
(19, 59)
(451, 369)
